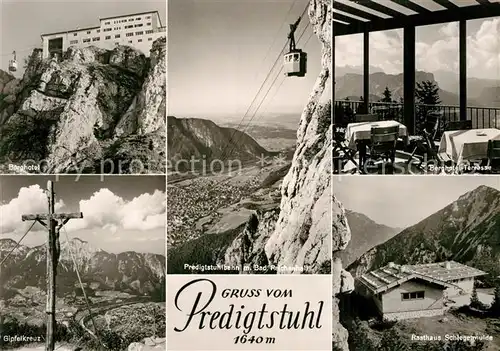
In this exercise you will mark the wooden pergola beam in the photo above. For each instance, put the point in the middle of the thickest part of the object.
(381, 8)
(412, 6)
(435, 17)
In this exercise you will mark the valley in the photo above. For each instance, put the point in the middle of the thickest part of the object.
(207, 210)
(125, 293)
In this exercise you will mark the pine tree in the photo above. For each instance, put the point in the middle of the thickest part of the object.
(427, 93)
(474, 299)
(495, 306)
(387, 95)
(427, 96)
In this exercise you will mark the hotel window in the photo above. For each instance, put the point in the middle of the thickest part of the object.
(88, 32)
(139, 25)
(96, 39)
(130, 41)
(107, 29)
(117, 35)
(138, 18)
(105, 23)
(73, 42)
(108, 37)
(129, 34)
(130, 20)
(140, 40)
(148, 24)
(129, 26)
(98, 31)
(150, 39)
(417, 295)
(139, 33)
(75, 34)
(148, 17)
(86, 40)
(150, 31)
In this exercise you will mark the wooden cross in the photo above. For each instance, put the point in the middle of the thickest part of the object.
(53, 222)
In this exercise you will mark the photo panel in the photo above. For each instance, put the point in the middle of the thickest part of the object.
(102, 285)
(249, 175)
(422, 262)
(416, 87)
(85, 93)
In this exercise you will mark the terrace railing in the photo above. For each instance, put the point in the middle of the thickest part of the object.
(481, 117)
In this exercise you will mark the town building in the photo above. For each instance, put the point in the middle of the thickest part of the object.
(412, 291)
(138, 30)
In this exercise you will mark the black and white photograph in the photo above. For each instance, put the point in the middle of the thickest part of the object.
(249, 136)
(82, 262)
(421, 264)
(83, 87)
(417, 87)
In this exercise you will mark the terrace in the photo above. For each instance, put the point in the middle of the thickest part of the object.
(407, 137)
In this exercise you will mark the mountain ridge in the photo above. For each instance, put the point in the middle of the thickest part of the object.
(204, 139)
(129, 271)
(365, 234)
(467, 231)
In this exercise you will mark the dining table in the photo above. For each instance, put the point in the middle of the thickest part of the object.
(358, 135)
(467, 145)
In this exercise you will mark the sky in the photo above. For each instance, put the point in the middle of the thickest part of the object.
(23, 21)
(120, 213)
(220, 52)
(436, 47)
(402, 201)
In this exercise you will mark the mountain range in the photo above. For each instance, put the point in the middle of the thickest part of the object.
(365, 234)
(131, 272)
(203, 139)
(466, 231)
(349, 84)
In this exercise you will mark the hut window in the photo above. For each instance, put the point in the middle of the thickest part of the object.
(417, 295)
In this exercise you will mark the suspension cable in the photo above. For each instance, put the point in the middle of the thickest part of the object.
(83, 289)
(18, 243)
(223, 155)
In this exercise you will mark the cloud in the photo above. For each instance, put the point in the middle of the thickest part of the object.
(103, 210)
(106, 210)
(29, 200)
(386, 49)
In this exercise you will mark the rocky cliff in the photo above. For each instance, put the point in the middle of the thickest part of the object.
(94, 111)
(302, 233)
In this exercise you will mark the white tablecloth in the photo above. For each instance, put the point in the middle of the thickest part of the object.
(460, 145)
(362, 131)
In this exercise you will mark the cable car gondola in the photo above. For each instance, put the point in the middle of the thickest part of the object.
(295, 61)
(13, 63)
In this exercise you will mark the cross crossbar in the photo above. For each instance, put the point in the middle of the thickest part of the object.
(45, 216)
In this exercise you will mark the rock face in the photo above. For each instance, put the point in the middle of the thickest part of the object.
(93, 109)
(249, 247)
(342, 280)
(302, 234)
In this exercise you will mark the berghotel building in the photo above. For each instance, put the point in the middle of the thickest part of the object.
(138, 30)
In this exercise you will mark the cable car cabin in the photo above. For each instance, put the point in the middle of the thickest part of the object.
(295, 63)
(12, 65)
